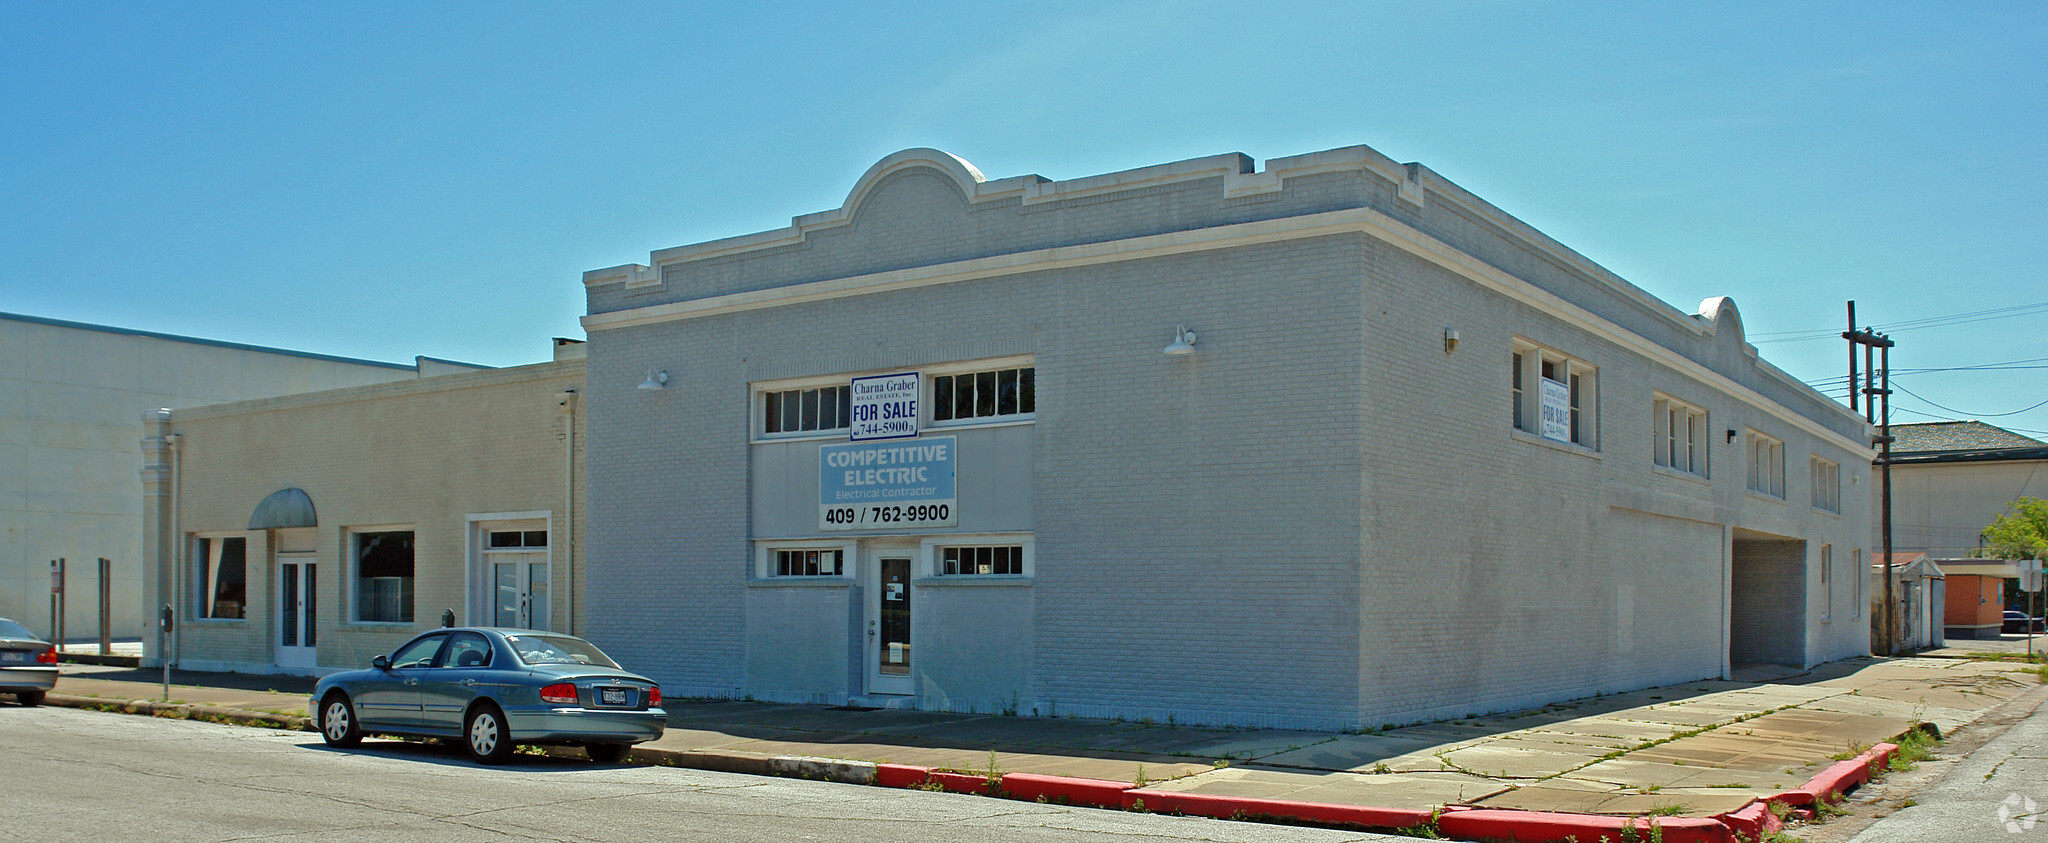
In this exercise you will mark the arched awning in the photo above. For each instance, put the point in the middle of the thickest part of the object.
(284, 508)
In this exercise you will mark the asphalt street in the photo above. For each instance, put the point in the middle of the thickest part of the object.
(1999, 792)
(82, 775)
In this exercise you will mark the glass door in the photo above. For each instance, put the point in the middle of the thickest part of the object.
(889, 629)
(297, 612)
(521, 583)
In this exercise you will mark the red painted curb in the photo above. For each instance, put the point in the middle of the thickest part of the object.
(1066, 791)
(1752, 821)
(1226, 807)
(900, 775)
(1530, 826)
(960, 782)
(1838, 779)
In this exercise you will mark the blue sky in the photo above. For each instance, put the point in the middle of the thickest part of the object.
(383, 180)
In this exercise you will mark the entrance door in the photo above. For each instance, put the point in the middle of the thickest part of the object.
(297, 612)
(888, 650)
(522, 590)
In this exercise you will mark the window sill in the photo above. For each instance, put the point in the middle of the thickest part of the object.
(773, 438)
(374, 625)
(1831, 513)
(1567, 447)
(1676, 474)
(833, 581)
(974, 581)
(218, 621)
(1006, 421)
(1764, 496)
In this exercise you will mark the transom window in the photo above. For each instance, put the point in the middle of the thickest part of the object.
(809, 563)
(1827, 485)
(1681, 441)
(982, 559)
(513, 539)
(816, 409)
(1766, 465)
(979, 395)
(1555, 395)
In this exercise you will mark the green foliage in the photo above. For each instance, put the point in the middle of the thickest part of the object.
(2021, 533)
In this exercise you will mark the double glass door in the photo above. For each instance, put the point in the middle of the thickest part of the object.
(521, 588)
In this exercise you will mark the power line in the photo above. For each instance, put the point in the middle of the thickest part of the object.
(1908, 325)
(1931, 403)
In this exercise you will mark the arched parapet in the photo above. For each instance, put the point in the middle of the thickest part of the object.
(1722, 320)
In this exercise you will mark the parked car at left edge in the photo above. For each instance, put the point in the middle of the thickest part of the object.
(28, 664)
(493, 689)
(2017, 621)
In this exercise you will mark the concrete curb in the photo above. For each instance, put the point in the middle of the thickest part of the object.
(1747, 823)
(237, 716)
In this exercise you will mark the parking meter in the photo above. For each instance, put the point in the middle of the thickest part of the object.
(167, 621)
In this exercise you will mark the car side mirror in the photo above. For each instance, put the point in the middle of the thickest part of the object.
(381, 662)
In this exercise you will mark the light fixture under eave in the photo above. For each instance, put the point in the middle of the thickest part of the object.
(655, 380)
(1183, 342)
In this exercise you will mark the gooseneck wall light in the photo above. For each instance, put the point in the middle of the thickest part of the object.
(1183, 342)
(655, 380)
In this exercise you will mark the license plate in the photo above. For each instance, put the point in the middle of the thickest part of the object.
(612, 696)
(13, 656)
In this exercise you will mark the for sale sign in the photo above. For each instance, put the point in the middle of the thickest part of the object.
(884, 407)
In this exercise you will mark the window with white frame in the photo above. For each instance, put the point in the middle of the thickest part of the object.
(1681, 436)
(222, 566)
(1000, 559)
(1827, 485)
(990, 394)
(1766, 465)
(1555, 395)
(808, 562)
(382, 564)
(1827, 581)
(818, 409)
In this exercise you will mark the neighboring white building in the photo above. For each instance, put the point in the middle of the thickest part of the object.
(1332, 443)
(72, 397)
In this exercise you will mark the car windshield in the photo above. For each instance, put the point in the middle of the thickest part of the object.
(10, 629)
(557, 649)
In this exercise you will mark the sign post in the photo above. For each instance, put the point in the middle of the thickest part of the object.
(57, 602)
(167, 621)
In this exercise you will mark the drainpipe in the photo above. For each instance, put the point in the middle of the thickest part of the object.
(568, 403)
(177, 552)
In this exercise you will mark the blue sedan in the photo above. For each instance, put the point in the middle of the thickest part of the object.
(494, 689)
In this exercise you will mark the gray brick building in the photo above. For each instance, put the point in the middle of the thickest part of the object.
(1414, 459)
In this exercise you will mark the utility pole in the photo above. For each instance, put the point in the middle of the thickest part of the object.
(1877, 409)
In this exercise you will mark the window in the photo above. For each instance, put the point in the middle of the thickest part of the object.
(518, 539)
(223, 569)
(1555, 396)
(467, 649)
(987, 559)
(809, 563)
(815, 410)
(419, 653)
(1827, 581)
(982, 395)
(1766, 465)
(383, 574)
(1827, 485)
(1681, 436)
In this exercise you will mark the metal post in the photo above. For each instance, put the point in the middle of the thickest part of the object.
(106, 606)
(1852, 357)
(56, 625)
(60, 603)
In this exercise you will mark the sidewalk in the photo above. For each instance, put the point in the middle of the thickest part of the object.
(1700, 749)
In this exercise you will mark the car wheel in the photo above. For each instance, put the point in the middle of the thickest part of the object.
(608, 753)
(338, 726)
(486, 737)
(29, 699)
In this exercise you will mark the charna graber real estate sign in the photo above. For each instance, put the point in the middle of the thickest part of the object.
(884, 407)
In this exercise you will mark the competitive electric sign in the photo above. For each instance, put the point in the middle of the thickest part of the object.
(878, 485)
(884, 407)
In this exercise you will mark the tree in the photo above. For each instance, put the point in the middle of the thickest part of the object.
(2019, 534)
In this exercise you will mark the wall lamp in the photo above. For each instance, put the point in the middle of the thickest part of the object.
(1183, 342)
(655, 380)
(1731, 436)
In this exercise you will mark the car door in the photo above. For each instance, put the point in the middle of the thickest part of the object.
(391, 697)
(463, 671)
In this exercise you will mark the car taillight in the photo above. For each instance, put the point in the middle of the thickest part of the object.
(48, 656)
(654, 695)
(560, 692)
